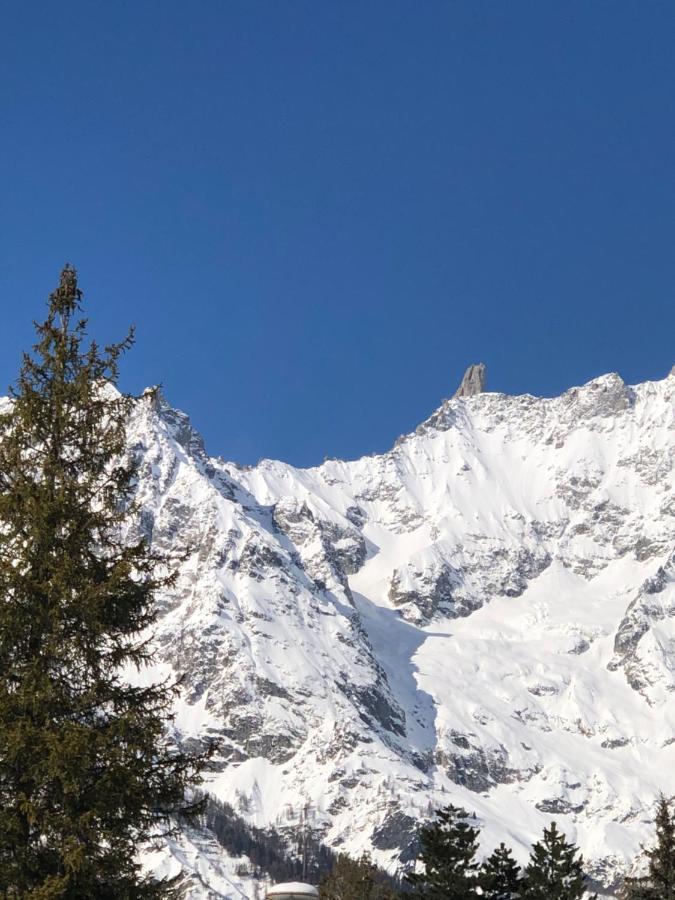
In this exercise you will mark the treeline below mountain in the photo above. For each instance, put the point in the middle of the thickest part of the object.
(446, 866)
(295, 855)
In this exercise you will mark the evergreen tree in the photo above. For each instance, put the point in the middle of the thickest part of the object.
(659, 884)
(637, 889)
(555, 870)
(662, 855)
(448, 854)
(355, 879)
(499, 875)
(87, 772)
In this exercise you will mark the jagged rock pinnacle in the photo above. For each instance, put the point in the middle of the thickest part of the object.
(473, 382)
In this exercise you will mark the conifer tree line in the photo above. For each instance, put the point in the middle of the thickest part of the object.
(448, 867)
(447, 863)
(88, 773)
(270, 854)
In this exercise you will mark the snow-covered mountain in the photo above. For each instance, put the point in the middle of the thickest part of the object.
(484, 615)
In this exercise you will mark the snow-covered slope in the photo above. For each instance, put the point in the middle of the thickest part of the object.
(205, 871)
(485, 615)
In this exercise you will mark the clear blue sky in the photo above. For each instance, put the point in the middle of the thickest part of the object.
(319, 213)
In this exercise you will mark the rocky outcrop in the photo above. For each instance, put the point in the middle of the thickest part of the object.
(421, 595)
(641, 648)
(473, 381)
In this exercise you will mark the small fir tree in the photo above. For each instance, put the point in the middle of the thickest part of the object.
(499, 875)
(555, 870)
(355, 879)
(87, 772)
(448, 856)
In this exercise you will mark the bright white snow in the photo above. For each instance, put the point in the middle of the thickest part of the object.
(485, 615)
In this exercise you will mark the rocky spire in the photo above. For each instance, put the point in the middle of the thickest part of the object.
(473, 381)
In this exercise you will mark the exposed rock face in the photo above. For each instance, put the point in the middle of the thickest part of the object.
(642, 646)
(483, 615)
(473, 382)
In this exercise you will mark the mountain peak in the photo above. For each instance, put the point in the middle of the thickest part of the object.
(473, 381)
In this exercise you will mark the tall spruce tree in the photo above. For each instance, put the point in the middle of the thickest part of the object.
(87, 772)
(555, 870)
(659, 884)
(499, 875)
(662, 855)
(448, 855)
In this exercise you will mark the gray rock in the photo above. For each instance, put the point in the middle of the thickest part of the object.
(559, 806)
(652, 604)
(602, 398)
(478, 768)
(473, 382)
(397, 832)
(434, 594)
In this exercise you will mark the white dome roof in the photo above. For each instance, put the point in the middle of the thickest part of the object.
(292, 888)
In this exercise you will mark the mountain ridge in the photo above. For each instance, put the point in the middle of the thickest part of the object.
(484, 614)
(397, 642)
